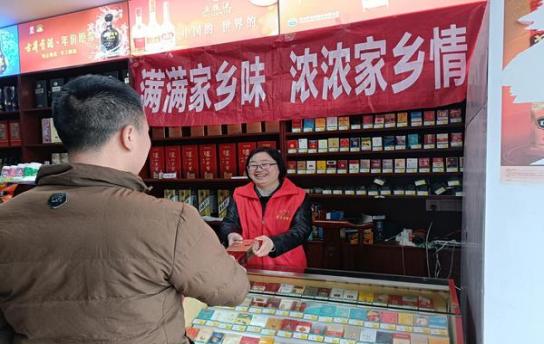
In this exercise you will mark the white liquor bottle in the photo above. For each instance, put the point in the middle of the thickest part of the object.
(168, 30)
(153, 37)
(138, 33)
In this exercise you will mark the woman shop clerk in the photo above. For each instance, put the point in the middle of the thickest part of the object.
(272, 210)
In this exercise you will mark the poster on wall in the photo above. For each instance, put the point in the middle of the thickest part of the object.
(522, 136)
(166, 25)
(94, 35)
(398, 63)
(300, 15)
(9, 51)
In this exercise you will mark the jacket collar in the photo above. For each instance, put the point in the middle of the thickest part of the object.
(286, 188)
(88, 175)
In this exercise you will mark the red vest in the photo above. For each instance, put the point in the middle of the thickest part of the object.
(279, 212)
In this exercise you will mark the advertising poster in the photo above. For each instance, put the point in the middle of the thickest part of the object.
(94, 35)
(522, 143)
(300, 15)
(165, 25)
(9, 51)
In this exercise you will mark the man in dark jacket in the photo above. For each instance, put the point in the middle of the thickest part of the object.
(86, 256)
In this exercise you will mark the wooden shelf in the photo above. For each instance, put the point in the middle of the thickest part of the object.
(196, 181)
(392, 197)
(9, 113)
(36, 109)
(354, 132)
(362, 153)
(10, 148)
(359, 175)
(45, 145)
(217, 137)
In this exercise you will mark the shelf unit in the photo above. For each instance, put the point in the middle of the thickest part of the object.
(410, 211)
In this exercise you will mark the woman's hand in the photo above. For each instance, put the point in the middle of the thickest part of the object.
(234, 238)
(265, 247)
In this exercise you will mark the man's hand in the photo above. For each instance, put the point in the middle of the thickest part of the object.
(234, 238)
(265, 247)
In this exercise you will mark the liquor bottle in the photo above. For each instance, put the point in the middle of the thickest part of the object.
(138, 32)
(168, 30)
(109, 39)
(3, 62)
(153, 37)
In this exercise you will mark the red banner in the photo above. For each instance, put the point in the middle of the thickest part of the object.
(397, 63)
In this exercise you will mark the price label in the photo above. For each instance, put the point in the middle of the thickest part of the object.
(254, 329)
(332, 340)
(316, 338)
(268, 332)
(356, 322)
(312, 317)
(199, 322)
(255, 310)
(282, 313)
(371, 324)
(296, 314)
(302, 336)
(325, 319)
(285, 334)
(341, 320)
(269, 311)
(239, 328)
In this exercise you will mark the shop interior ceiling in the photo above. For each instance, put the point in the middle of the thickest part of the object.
(20, 11)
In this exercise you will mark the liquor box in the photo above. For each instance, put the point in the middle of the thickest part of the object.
(172, 161)
(15, 133)
(223, 199)
(55, 87)
(208, 161)
(4, 133)
(40, 94)
(156, 162)
(205, 200)
(244, 148)
(190, 161)
(49, 132)
(227, 160)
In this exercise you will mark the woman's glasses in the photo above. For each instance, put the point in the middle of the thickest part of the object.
(263, 166)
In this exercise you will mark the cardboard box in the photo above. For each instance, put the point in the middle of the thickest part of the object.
(197, 131)
(190, 161)
(272, 126)
(156, 162)
(208, 161)
(172, 161)
(234, 129)
(292, 146)
(255, 127)
(175, 132)
(15, 133)
(214, 130)
(227, 160)
(158, 133)
(49, 132)
(244, 148)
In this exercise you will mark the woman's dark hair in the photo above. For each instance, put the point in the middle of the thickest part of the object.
(274, 154)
